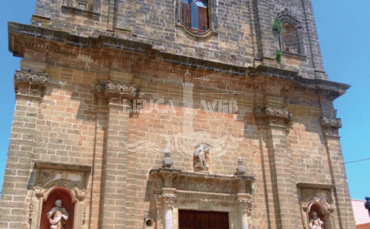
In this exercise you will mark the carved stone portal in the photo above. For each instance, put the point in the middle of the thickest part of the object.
(176, 190)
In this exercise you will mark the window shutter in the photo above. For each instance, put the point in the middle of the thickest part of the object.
(203, 18)
(186, 15)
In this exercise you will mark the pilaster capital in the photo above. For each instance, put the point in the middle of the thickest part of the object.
(272, 116)
(244, 203)
(118, 93)
(28, 83)
(331, 125)
(166, 199)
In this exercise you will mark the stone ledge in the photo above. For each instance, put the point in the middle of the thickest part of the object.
(61, 166)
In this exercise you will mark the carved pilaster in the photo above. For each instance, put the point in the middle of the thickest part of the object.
(272, 116)
(30, 84)
(330, 126)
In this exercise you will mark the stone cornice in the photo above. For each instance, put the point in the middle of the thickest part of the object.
(44, 38)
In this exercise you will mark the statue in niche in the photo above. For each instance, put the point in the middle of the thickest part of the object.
(73, 3)
(57, 216)
(201, 157)
(316, 222)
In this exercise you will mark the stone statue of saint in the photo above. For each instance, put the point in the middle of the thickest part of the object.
(200, 160)
(57, 216)
(316, 222)
(73, 3)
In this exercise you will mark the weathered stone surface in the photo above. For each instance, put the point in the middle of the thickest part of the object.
(112, 85)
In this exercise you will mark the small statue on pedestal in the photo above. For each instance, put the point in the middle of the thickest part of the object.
(57, 216)
(200, 157)
(316, 222)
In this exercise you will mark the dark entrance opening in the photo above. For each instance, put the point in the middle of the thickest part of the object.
(203, 220)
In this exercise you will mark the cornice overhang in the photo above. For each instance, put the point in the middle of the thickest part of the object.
(328, 89)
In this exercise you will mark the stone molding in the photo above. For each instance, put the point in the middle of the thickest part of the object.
(330, 126)
(28, 83)
(272, 116)
(49, 176)
(119, 93)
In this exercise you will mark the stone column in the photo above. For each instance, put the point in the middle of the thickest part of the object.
(119, 98)
(330, 128)
(244, 205)
(29, 88)
(277, 121)
(168, 198)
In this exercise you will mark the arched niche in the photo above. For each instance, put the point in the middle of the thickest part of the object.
(321, 209)
(53, 181)
(68, 202)
(290, 37)
(319, 199)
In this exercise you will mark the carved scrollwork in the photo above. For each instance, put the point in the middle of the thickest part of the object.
(29, 83)
(330, 126)
(118, 92)
(272, 116)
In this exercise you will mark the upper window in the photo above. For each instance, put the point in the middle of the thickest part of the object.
(195, 15)
(290, 38)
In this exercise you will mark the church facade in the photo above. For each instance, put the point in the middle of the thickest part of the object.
(181, 114)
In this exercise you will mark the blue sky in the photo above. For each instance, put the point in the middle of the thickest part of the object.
(344, 34)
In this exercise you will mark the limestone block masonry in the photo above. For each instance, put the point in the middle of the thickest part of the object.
(130, 114)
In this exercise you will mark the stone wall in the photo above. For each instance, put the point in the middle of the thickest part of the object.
(243, 37)
(79, 110)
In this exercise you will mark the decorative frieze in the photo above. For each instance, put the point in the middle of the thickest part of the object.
(272, 116)
(119, 93)
(330, 126)
(30, 84)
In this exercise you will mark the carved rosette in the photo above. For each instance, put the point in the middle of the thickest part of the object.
(119, 93)
(330, 126)
(30, 84)
(272, 116)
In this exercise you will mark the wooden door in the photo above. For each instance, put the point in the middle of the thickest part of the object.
(203, 220)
